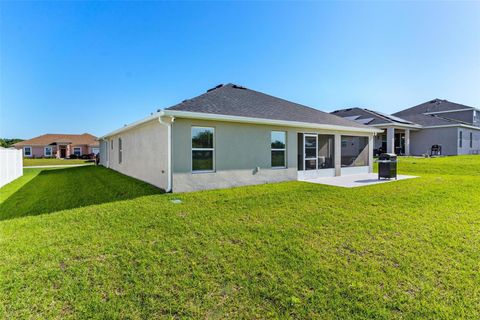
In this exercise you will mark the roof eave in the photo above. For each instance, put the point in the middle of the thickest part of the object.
(132, 125)
(228, 118)
(252, 120)
(397, 124)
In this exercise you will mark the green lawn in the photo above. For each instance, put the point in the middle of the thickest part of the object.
(406, 249)
(53, 162)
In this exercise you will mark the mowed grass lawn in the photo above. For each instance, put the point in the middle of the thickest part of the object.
(53, 162)
(406, 249)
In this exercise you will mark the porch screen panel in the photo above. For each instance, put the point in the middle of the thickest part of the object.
(326, 149)
(354, 151)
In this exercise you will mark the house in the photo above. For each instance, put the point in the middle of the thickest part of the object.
(396, 131)
(454, 127)
(59, 146)
(234, 136)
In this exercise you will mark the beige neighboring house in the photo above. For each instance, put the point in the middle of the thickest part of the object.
(233, 136)
(59, 146)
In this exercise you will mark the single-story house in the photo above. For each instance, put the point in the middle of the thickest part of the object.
(59, 145)
(233, 136)
(450, 128)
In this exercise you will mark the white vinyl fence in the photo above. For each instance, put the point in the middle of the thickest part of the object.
(11, 166)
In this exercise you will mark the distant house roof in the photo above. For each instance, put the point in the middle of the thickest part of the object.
(51, 139)
(435, 113)
(233, 100)
(435, 105)
(370, 117)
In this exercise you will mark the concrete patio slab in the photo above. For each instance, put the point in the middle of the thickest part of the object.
(355, 180)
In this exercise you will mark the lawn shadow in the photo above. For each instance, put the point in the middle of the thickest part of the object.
(68, 188)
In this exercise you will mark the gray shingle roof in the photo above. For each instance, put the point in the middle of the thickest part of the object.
(428, 120)
(435, 105)
(370, 117)
(234, 100)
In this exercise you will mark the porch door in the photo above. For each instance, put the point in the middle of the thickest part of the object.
(310, 155)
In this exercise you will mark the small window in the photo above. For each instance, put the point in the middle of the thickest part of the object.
(27, 151)
(77, 151)
(278, 149)
(460, 139)
(471, 139)
(120, 150)
(203, 149)
(47, 152)
(111, 144)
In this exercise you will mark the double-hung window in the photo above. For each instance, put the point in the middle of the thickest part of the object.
(27, 151)
(278, 149)
(77, 151)
(47, 151)
(203, 150)
(120, 150)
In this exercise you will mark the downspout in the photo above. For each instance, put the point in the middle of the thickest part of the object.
(167, 121)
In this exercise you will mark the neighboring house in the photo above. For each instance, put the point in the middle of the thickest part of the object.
(59, 145)
(396, 131)
(452, 126)
(233, 136)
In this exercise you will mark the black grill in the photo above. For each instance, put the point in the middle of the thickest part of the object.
(387, 166)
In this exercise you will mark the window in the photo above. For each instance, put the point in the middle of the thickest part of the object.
(354, 152)
(47, 151)
(120, 150)
(471, 139)
(77, 151)
(460, 139)
(27, 151)
(278, 149)
(111, 144)
(95, 150)
(202, 149)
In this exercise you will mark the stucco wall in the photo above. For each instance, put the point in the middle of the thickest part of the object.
(239, 150)
(103, 153)
(144, 154)
(421, 141)
(465, 148)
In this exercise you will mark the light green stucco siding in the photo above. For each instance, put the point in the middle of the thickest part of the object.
(239, 149)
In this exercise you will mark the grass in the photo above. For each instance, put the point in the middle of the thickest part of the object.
(408, 249)
(53, 162)
(49, 190)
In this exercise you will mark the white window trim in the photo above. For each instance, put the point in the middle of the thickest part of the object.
(31, 151)
(80, 153)
(275, 149)
(45, 151)
(202, 149)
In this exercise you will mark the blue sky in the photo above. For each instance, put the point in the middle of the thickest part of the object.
(74, 67)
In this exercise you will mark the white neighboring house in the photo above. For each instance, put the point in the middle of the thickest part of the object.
(11, 165)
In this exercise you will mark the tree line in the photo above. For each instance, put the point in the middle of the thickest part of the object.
(7, 143)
